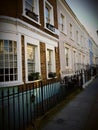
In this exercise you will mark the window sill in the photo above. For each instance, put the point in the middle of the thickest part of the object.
(71, 39)
(10, 84)
(49, 30)
(65, 33)
(24, 15)
(52, 77)
(34, 81)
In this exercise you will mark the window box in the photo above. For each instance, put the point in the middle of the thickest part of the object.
(50, 27)
(51, 74)
(34, 76)
(32, 15)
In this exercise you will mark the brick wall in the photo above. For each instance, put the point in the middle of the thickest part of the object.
(43, 60)
(23, 58)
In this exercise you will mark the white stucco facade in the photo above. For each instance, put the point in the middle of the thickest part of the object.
(74, 37)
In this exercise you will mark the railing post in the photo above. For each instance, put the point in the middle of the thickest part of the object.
(8, 110)
(83, 73)
(18, 107)
(42, 97)
(2, 117)
(14, 107)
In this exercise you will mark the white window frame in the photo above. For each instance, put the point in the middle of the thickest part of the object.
(74, 59)
(63, 23)
(51, 14)
(71, 31)
(52, 48)
(29, 40)
(81, 39)
(77, 36)
(35, 53)
(17, 38)
(36, 11)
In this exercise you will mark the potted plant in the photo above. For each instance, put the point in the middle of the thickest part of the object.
(34, 76)
(51, 74)
(32, 15)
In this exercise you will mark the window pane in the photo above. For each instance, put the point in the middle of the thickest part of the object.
(15, 57)
(15, 64)
(1, 64)
(31, 67)
(1, 71)
(49, 60)
(1, 56)
(15, 70)
(11, 64)
(62, 22)
(6, 58)
(47, 11)
(29, 4)
(6, 71)
(1, 46)
(11, 57)
(66, 56)
(11, 70)
(31, 52)
(10, 46)
(7, 64)
(15, 77)
(15, 48)
(1, 78)
(6, 77)
(31, 58)
(11, 78)
(6, 46)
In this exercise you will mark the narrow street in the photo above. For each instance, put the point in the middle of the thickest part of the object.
(81, 113)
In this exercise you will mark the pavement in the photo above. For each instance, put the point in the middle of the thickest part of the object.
(80, 113)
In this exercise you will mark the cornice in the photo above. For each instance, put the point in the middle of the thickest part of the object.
(18, 22)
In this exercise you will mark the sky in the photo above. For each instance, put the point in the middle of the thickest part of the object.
(87, 13)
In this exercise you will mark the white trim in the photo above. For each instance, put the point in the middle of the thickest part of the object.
(8, 36)
(10, 84)
(19, 54)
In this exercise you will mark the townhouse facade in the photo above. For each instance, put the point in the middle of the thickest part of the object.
(73, 41)
(28, 41)
(93, 52)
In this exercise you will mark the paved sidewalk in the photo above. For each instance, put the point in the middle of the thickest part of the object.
(81, 113)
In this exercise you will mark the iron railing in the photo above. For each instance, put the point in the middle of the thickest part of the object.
(21, 105)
